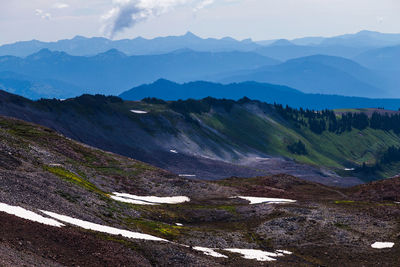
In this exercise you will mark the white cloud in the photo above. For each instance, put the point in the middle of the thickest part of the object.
(42, 14)
(60, 5)
(203, 4)
(127, 13)
(38, 12)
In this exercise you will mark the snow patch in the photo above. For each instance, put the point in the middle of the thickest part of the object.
(132, 201)
(284, 252)
(173, 151)
(149, 200)
(178, 224)
(139, 111)
(210, 252)
(255, 254)
(258, 200)
(349, 169)
(380, 245)
(102, 228)
(187, 175)
(28, 215)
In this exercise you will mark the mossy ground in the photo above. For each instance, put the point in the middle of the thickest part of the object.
(73, 178)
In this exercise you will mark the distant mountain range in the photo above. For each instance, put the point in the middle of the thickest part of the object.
(167, 90)
(321, 74)
(350, 65)
(348, 45)
(286, 51)
(360, 39)
(82, 46)
(387, 58)
(34, 89)
(113, 72)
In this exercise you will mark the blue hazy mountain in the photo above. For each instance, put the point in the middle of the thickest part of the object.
(363, 39)
(348, 45)
(82, 46)
(283, 51)
(35, 89)
(359, 39)
(320, 74)
(387, 58)
(270, 93)
(168, 90)
(113, 72)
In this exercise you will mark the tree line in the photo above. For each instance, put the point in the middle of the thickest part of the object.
(327, 120)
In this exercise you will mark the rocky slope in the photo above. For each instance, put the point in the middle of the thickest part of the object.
(42, 170)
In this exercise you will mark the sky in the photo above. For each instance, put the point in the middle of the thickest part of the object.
(50, 20)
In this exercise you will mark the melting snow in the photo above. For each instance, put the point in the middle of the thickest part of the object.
(284, 252)
(178, 224)
(149, 200)
(349, 169)
(255, 254)
(173, 151)
(132, 201)
(210, 252)
(102, 228)
(247, 253)
(380, 245)
(139, 111)
(28, 215)
(258, 200)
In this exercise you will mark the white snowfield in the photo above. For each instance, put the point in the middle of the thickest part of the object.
(148, 200)
(258, 200)
(256, 254)
(28, 215)
(139, 111)
(381, 245)
(55, 218)
(210, 252)
(102, 228)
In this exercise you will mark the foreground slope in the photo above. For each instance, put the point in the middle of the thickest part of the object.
(42, 170)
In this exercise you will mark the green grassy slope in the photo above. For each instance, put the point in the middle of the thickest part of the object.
(270, 134)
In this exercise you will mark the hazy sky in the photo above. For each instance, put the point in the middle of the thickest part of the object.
(50, 20)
